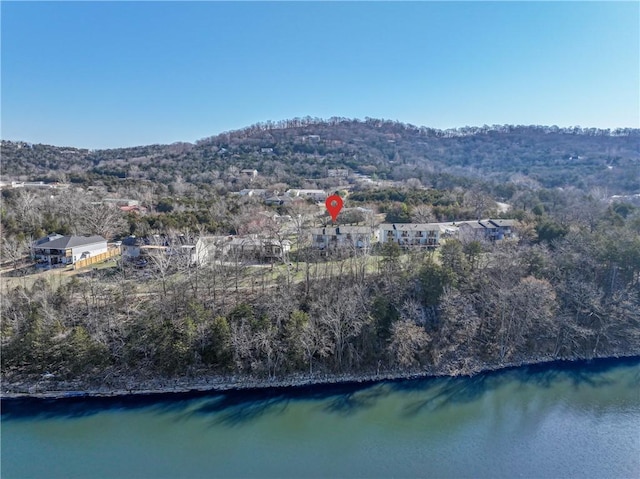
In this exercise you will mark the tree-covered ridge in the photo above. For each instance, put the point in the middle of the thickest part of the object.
(299, 149)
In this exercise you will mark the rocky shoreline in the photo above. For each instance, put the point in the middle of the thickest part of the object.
(129, 387)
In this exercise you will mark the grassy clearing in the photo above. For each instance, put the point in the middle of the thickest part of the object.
(26, 277)
(55, 277)
(252, 277)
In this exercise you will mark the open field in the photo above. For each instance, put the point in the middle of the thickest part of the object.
(242, 276)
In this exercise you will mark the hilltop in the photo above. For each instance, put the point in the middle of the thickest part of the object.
(299, 149)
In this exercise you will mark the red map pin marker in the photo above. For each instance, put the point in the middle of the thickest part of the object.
(334, 205)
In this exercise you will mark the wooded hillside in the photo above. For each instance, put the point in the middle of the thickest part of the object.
(306, 148)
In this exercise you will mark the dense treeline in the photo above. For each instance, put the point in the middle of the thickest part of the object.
(571, 294)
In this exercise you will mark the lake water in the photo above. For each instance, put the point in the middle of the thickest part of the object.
(553, 421)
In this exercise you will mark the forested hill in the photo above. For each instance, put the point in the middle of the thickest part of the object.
(305, 148)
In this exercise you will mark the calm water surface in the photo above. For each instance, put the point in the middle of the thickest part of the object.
(578, 421)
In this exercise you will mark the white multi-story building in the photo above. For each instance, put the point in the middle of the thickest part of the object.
(411, 235)
(254, 247)
(223, 248)
(342, 238)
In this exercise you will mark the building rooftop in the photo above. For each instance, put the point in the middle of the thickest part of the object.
(503, 222)
(133, 241)
(65, 242)
(47, 238)
(410, 226)
(217, 239)
(341, 230)
(258, 242)
(487, 223)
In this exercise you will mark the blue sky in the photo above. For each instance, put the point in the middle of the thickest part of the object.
(101, 75)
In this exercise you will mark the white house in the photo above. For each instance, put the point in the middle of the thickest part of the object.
(13, 184)
(316, 195)
(262, 193)
(411, 235)
(337, 173)
(121, 201)
(66, 250)
(210, 248)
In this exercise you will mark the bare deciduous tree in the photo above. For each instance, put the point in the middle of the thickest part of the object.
(161, 261)
(242, 344)
(459, 324)
(314, 341)
(101, 219)
(14, 250)
(342, 313)
(301, 216)
(481, 203)
(407, 341)
(27, 211)
(524, 312)
(422, 214)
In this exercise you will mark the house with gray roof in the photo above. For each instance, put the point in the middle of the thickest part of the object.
(491, 230)
(315, 195)
(66, 250)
